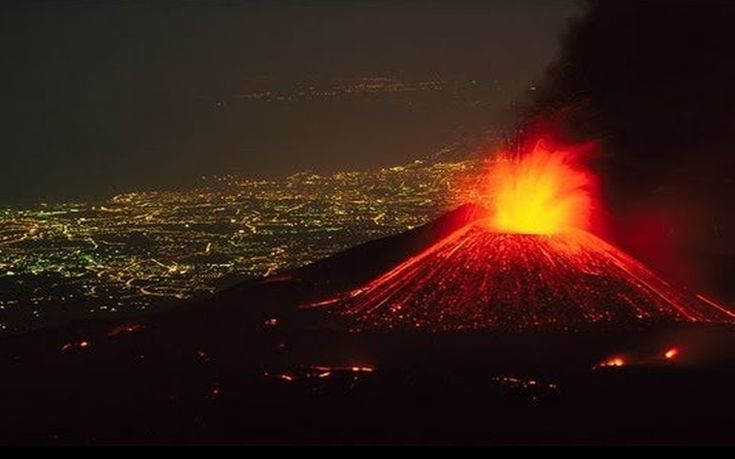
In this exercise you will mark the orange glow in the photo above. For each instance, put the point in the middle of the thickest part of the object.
(544, 191)
(613, 362)
(362, 369)
(311, 373)
(671, 353)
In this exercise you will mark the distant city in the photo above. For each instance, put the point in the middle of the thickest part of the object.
(144, 251)
(475, 92)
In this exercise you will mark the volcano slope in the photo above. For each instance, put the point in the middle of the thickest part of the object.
(478, 278)
(250, 366)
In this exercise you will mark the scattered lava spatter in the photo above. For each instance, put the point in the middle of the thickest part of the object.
(478, 278)
(532, 263)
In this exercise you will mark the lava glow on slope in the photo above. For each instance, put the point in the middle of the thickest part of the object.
(531, 263)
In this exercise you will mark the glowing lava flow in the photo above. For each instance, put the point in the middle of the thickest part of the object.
(477, 278)
(532, 263)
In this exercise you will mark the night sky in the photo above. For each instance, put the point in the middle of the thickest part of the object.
(111, 96)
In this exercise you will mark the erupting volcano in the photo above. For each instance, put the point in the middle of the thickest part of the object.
(531, 261)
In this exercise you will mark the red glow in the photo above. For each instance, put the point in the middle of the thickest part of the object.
(715, 305)
(672, 353)
(127, 328)
(656, 229)
(272, 322)
(478, 278)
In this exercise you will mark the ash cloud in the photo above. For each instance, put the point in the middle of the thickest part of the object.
(654, 82)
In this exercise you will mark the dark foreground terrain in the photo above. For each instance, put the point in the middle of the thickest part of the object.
(249, 367)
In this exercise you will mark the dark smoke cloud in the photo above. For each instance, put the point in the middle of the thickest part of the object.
(654, 82)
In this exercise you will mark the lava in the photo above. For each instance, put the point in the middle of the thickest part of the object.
(545, 191)
(612, 362)
(671, 353)
(478, 278)
(531, 263)
(322, 372)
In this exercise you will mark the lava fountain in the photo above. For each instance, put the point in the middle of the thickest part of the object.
(543, 192)
(533, 262)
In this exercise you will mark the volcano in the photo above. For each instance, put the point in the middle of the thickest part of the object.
(530, 261)
(479, 278)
